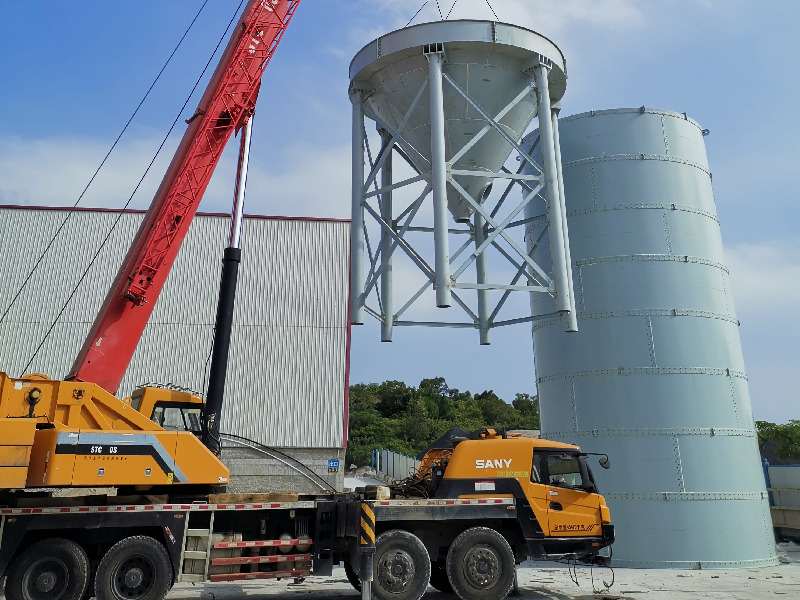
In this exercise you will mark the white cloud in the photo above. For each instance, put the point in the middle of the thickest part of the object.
(54, 171)
(765, 278)
(766, 290)
(316, 183)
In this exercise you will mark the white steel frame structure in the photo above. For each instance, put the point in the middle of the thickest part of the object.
(494, 223)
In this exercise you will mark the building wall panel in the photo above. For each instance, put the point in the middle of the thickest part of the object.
(286, 382)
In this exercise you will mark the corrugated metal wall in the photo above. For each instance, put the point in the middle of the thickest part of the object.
(287, 371)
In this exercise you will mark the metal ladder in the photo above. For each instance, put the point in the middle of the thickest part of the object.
(203, 555)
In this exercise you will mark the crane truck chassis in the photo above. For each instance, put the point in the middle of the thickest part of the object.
(495, 502)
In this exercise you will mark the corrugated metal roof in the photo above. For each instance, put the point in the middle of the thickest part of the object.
(286, 381)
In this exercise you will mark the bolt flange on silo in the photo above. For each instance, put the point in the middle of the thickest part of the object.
(452, 99)
(655, 376)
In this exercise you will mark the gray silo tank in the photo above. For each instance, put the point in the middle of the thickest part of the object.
(654, 376)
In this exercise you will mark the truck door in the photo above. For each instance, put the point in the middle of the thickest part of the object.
(536, 491)
(573, 509)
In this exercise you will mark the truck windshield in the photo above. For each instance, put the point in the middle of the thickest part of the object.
(565, 470)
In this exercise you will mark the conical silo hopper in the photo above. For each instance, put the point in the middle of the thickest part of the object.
(453, 98)
(491, 61)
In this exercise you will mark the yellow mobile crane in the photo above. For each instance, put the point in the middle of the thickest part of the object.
(76, 432)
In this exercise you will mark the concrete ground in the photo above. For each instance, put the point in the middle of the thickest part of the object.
(548, 581)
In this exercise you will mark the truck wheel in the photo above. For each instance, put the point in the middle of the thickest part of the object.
(480, 565)
(136, 568)
(54, 569)
(402, 566)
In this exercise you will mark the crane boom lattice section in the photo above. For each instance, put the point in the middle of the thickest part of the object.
(232, 103)
(227, 104)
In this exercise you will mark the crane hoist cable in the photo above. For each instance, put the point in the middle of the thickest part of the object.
(449, 12)
(491, 9)
(74, 291)
(97, 171)
(452, 6)
(294, 463)
(416, 13)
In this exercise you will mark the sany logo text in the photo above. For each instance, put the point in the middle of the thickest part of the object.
(500, 463)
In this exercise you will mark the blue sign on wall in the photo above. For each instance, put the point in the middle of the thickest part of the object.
(333, 466)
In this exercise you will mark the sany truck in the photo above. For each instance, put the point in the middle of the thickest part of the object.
(494, 502)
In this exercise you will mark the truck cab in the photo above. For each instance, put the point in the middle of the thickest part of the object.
(174, 410)
(551, 482)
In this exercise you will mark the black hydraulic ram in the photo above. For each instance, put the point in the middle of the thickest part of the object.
(212, 411)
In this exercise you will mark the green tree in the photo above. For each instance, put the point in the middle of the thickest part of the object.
(395, 397)
(528, 407)
(496, 413)
(436, 396)
(406, 419)
(787, 435)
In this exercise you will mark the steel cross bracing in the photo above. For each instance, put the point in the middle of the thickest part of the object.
(489, 233)
(228, 102)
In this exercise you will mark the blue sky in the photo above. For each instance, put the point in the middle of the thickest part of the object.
(71, 73)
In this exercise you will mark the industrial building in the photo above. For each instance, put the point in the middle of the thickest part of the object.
(287, 374)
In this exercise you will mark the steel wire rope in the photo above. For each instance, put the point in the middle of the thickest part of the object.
(416, 13)
(605, 583)
(102, 163)
(295, 464)
(491, 9)
(130, 198)
(454, 5)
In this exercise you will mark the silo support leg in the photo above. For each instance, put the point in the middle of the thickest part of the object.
(439, 182)
(552, 195)
(386, 242)
(357, 240)
(480, 268)
(571, 318)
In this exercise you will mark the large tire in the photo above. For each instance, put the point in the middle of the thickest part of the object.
(352, 577)
(53, 569)
(402, 566)
(136, 568)
(480, 565)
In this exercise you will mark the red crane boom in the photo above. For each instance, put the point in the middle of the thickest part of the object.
(227, 104)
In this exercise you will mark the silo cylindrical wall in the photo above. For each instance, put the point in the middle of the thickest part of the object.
(655, 376)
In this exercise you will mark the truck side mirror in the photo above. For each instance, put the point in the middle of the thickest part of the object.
(605, 463)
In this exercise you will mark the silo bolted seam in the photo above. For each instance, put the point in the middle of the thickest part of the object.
(643, 371)
(651, 205)
(642, 312)
(642, 156)
(684, 496)
(587, 262)
(647, 431)
(695, 564)
(641, 110)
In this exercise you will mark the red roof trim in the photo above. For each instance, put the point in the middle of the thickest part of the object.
(199, 214)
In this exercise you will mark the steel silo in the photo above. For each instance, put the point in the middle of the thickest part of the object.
(452, 99)
(654, 376)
